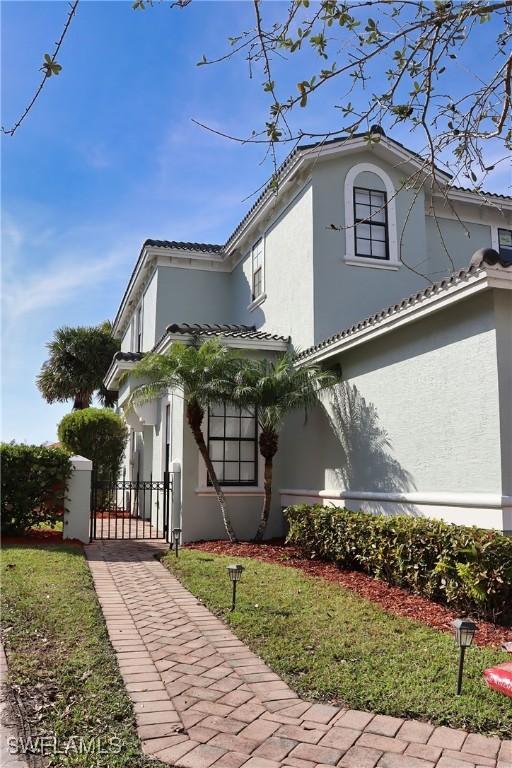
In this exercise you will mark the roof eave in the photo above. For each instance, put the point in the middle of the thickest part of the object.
(113, 376)
(423, 305)
(309, 154)
(143, 265)
(475, 198)
(235, 342)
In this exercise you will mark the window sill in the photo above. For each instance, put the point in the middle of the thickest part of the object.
(257, 302)
(231, 490)
(360, 261)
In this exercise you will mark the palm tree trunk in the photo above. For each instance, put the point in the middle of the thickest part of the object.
(195, 414)
(268, 448)
(82, 400)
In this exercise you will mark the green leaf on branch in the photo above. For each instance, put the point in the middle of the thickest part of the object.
(402, 111)
(303, 93)
(50, 67)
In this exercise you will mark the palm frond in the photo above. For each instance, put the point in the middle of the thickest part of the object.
(205, 372)
(278, 386)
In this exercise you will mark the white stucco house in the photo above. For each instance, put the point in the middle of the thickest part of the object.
(358, 263)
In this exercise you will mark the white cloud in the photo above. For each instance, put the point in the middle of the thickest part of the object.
(51, 278)
(65, 268)
(57, 283)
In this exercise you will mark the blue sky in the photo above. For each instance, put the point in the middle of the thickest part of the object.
(109, 156)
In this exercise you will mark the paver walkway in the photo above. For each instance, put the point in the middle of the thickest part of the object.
(8, 734)
(202, 698)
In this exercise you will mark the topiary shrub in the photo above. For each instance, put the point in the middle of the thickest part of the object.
(99, 434)
(469, 569)
(34, 481)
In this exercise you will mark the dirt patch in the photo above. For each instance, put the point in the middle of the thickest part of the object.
(392, 599)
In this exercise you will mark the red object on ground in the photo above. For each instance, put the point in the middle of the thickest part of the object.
(500, 678)
(392, 599)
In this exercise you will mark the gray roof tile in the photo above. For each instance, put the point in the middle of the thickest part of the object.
(128, 357)
(185, 246)
(227, 330)
(489, 256)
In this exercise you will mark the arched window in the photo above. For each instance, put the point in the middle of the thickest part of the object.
(370, 218)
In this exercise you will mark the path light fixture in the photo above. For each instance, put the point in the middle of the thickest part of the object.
(464, 631)
(176, 535)
(235, 574)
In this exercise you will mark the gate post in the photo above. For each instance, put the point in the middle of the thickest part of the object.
(78, 507)
(175, 516)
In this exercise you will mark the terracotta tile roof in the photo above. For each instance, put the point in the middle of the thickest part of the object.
(203, 329)
(215, 248)
(483, 192)
(185, 246)
(487, 256)
(128, 357)
(303, 147)
(230, 330)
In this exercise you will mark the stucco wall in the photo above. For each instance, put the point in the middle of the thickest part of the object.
(201, 516)
(149, 307)
(345, 293)
(288, 308)
(503, 318)
(418, 411)
(191, 296)
(126, 340)
(460, 240)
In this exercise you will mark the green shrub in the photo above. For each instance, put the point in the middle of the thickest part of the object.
(99, 434)
(469, 569)
(34, 480)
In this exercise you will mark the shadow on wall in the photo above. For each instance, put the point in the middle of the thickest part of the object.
(367, 462)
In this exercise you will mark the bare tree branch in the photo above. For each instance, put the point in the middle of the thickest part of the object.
(49, 68)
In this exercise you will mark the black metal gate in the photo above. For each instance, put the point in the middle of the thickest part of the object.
(130, 509)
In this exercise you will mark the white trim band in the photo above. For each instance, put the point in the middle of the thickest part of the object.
(447, 499)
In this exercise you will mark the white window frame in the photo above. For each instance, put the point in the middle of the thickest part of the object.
(139, 328)
(203, 489)
(350, 233)
(495, 241)
(260, 298)
(132, 334)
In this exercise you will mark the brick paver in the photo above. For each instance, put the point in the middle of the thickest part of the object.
(202, 699)
(8, 733)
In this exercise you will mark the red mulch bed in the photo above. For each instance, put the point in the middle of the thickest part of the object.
(392, 599)
(41, 537)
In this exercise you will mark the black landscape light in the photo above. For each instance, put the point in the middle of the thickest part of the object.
(235, 574)
(464, 630)
(176, 534)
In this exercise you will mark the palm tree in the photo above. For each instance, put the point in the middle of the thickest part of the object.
(79, 359)
(276, 387)
(204, 372)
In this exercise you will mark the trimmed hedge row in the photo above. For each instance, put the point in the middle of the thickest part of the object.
(469, 569)
(34, 482)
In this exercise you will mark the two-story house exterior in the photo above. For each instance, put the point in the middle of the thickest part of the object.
(358, 262)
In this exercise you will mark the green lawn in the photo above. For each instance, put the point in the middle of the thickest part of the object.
(60, 656)
(329, 644)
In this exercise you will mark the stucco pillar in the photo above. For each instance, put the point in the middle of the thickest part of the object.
(78, 502)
